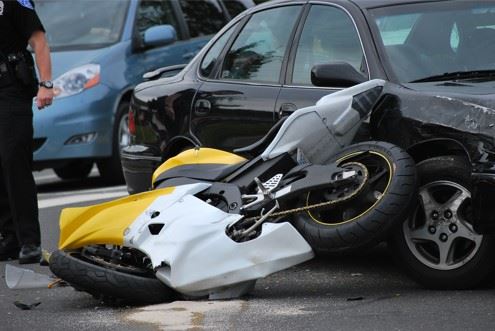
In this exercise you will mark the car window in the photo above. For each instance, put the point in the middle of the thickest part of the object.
(395, 29)
(153, 12)
(98, 25)
(213, 53)
(329, 35)
(203, 17)
(423, 40)
(235, 7)
(258, 52)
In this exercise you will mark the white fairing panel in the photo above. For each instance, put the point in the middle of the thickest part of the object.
(193, 254)
(320, 131)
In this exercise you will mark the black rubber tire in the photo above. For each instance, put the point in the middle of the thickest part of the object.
(374, 225)
(111, 168)
(470, 274)
(107, 284)
(74, 170)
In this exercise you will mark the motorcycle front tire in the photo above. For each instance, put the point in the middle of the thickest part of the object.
(108, 285)
(392, 181)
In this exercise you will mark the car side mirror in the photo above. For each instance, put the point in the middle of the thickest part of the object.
(336, 74)
(159, 35)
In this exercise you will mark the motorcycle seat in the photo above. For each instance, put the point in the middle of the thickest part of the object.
(204, 164)
(259, 146)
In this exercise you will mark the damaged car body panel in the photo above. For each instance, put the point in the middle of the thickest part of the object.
(431, 124)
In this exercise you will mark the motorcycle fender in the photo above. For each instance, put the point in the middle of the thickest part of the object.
(104, 223)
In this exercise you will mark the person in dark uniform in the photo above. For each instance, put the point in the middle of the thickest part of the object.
(19, 224)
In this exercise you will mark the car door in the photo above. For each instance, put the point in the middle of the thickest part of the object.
(328, 34)
(235, 104)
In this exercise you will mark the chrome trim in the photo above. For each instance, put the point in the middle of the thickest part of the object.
(314, 87)
(140, 158)
(239, 82)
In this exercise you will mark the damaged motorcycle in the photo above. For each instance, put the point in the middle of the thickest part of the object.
(216, 221)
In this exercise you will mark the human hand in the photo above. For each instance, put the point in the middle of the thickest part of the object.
(44, 97)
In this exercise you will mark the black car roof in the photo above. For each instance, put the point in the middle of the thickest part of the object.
(364, 4)
(382, 3)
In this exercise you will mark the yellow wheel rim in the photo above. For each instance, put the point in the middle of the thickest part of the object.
(387, 186)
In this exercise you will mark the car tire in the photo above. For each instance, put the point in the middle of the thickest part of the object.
(107, 284)
(74, 170)
(437, 245)
(111, 168)
(364, 220)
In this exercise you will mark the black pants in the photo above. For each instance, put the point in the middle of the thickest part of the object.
(18, 200)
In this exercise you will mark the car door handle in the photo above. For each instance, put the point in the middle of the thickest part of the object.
(286, 109)
(202, 107)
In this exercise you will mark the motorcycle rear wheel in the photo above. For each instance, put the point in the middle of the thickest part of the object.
(107, 284)
(366, 218)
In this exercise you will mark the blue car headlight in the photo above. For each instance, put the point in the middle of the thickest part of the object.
(76, 80)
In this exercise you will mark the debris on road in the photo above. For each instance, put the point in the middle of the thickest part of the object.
(19, 278)
(355, 299)
(24, 306)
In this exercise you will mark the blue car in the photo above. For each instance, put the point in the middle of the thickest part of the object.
(100, 51)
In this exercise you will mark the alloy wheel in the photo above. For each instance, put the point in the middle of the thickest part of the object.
(440, 232)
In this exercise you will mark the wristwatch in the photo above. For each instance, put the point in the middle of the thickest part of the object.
(46, 84)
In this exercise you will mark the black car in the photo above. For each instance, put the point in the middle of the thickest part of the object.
(439, 105)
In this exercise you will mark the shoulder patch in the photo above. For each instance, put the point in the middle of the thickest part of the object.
(26, 3)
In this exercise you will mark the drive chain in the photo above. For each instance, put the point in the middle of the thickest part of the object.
(321, 204)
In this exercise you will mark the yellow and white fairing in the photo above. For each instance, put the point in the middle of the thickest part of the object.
(190, 252)
(193, 254)
(104, 223)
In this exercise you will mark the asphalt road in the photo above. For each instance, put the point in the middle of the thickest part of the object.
(359, 292)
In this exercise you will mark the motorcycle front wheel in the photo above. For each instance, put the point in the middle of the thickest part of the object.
(112, 285)
(370, 209)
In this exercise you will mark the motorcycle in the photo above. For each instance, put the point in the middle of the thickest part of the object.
(215, 221)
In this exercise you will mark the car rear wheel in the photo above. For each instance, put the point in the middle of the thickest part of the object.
(111, 169)
(74, 170)
(437, 245)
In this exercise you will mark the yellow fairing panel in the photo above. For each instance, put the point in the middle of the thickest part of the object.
(198, 156)
(104, 223)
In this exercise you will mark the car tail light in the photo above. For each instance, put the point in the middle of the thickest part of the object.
(132, 123)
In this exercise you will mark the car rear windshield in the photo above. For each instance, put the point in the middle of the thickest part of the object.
(432, 39)
(76, 24)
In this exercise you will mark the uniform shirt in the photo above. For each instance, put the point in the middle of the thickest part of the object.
(18, 21)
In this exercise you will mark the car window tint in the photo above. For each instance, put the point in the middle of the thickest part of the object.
(329, 35)
(203, 17)
(258, 51)
(213, 53)
(394, 30)
(153, 12)
(235, 7)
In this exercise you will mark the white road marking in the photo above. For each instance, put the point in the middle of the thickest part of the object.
(85, 197)
(208, 315)
(103, 190)
(187, 315)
